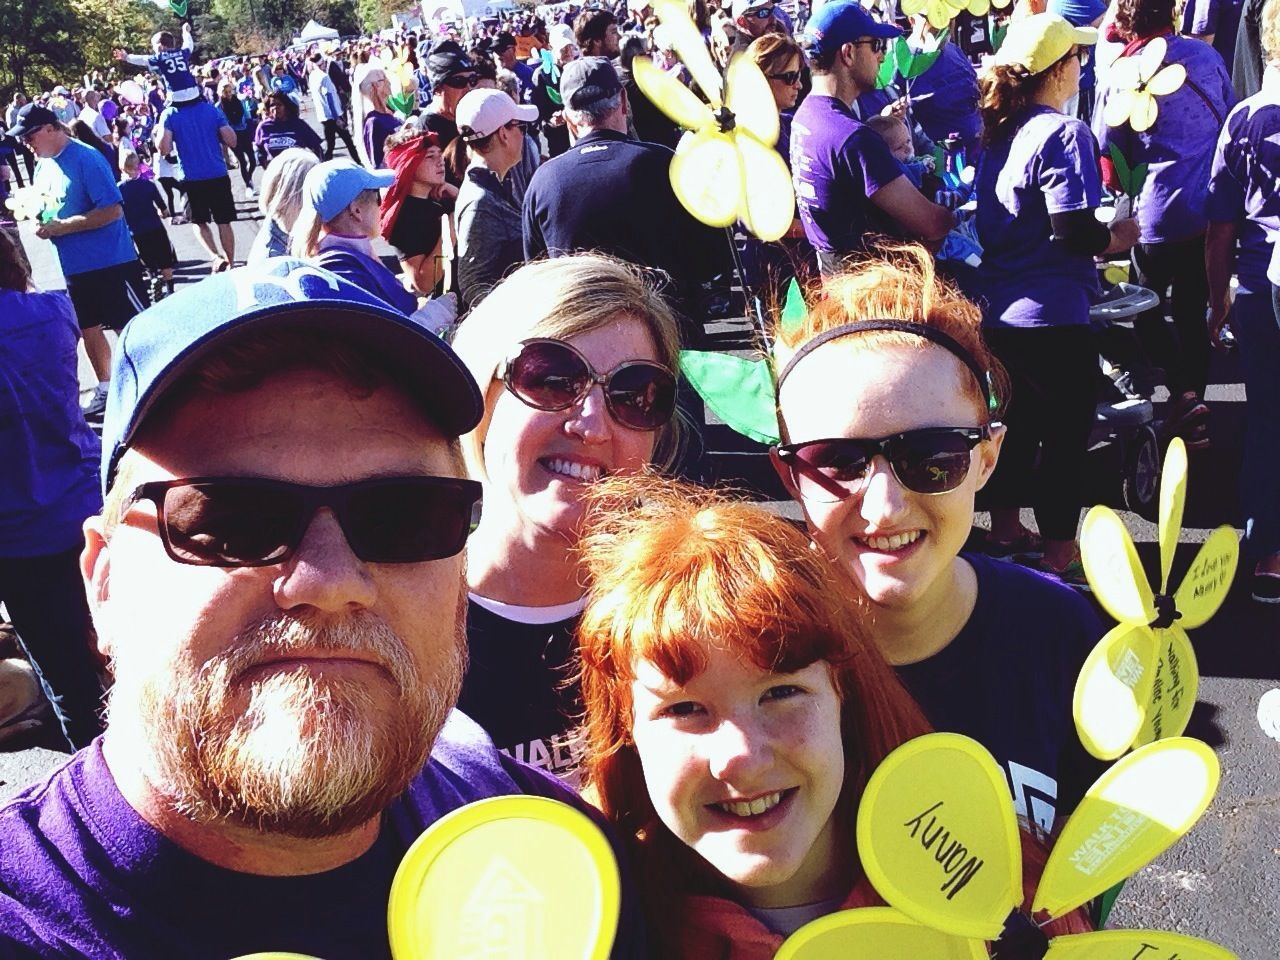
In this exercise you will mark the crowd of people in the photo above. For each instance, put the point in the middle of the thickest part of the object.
(316, 646)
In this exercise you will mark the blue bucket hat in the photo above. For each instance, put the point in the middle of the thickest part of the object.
(329, 187)
(162, 345)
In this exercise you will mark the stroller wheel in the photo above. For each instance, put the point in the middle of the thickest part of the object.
(1141, 483)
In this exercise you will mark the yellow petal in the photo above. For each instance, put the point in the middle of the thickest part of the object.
(768, 204)
(1125, 74)
(1172, 694)
(1142, 116)
(670, 96)
(938, 837)
(706, 175)
(1127, 944)
(1205, 586)
(1115, 573)
(1113, 690)
(979, 8)
(750, 100)
(912, 7)
(1119, 105)
(1150, 58)
(1134, 812)
(875, 932)
(1169, 79)
(690, 48)
(940, 14)
(1173, 496)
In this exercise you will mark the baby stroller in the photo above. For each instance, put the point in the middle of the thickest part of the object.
(1124, 418)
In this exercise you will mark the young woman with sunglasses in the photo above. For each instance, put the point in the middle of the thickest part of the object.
(735, 707)
(889, 408)
(576, 358)
(1037, 189)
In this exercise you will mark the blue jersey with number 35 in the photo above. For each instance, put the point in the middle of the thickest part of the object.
(175, 67)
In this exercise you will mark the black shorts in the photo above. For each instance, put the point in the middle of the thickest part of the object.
(210, 201)
(155, 250)
(109, 297)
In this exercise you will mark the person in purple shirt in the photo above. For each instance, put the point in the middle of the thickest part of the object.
(1169, 259)
(277, 578)
(1244, 221)
(848, 185)
(1037, 188)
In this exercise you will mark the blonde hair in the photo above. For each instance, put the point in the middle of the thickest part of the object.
(1269, 31)
(280, 198)
(562, 298)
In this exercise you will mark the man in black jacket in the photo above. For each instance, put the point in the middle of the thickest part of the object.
(613, 194)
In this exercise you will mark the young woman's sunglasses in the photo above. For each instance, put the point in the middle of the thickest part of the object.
(460, 82)
(552, 375)
(790, 78)
(931, 460)
(760, 13)
(254, 522)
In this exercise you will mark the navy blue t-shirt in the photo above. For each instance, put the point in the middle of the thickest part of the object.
(142, 203)
(1007, 681)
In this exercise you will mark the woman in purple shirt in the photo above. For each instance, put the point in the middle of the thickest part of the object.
(1244, 222)
(1037, 188)
(1178, 149)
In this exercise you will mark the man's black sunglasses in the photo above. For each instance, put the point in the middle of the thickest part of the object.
(461, 82)
(255, 522)
(931, 460)
(877, 44)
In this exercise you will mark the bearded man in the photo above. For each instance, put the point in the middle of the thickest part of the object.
(277, 580)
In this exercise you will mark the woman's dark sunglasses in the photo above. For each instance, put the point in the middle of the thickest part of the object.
(460, 82)
(790, 78)
(254, 522)
(763, 13)
(931, 460)
(552, 375)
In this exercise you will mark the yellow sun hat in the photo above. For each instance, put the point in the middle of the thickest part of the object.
(1041, 40)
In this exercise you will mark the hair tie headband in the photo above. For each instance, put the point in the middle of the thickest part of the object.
(931, 334)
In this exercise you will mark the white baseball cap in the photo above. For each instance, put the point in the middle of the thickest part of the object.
(482, 112)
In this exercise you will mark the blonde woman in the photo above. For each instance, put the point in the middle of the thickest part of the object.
(576, 358)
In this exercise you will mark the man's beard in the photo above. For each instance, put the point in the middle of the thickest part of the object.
(289, 750)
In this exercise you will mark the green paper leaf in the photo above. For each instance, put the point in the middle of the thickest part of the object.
(885, 76)
(1137, 179)
(554, 96)
(402, 103)
(794, 311)
(1123, 173)
(738, 391)
(179, 7)
(920, 63)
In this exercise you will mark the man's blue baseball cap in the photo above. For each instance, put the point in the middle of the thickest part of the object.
(330, 187)
(161, 346)
(842, 21)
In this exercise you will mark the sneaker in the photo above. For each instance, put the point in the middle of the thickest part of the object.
(97, 405)
(249, 194)
(1026, 547)
(1266, 587)
(1072, 575)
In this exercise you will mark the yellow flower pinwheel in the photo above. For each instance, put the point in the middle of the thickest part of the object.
(725, 168)
(29, 203)
(1139, 683)
(1136, 82)
(938, 839)
(940, 13)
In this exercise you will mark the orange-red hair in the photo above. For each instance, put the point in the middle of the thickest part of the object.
(674, 567)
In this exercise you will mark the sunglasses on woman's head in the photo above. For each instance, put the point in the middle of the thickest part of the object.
(790, 78)
(930, 460)
(255, 522)
(552, 375)
(460, 82)
(761, 13)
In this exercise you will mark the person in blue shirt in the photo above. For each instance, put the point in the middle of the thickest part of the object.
(199, 131)
(170, 62)
(85, 220)
(48, 485)
(282, 81)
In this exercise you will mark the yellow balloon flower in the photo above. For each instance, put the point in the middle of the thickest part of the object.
(1136, 82)
(725, 168)
(938, 840)
(1139, 683)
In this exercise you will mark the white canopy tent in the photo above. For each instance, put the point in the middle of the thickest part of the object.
(314, 31)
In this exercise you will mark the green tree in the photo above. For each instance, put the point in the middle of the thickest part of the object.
(38, 44)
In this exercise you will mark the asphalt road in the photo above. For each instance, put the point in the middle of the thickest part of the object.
(1222, 882)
